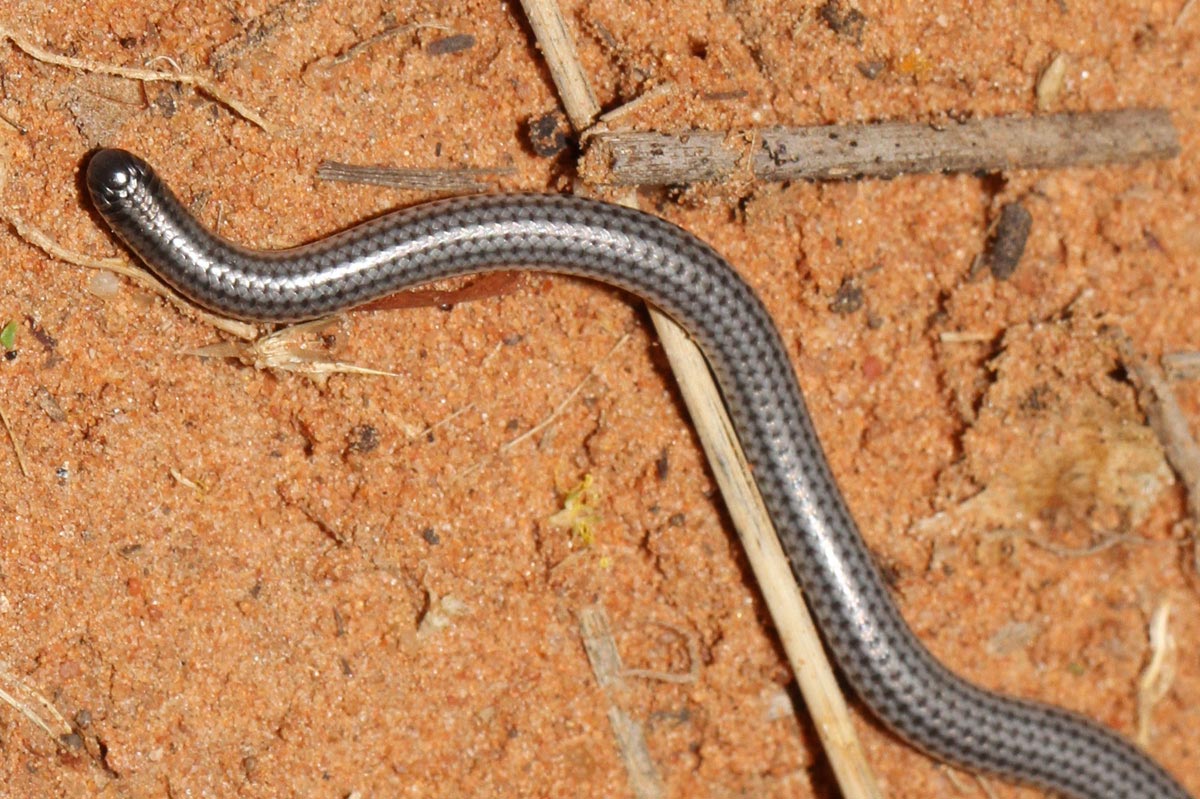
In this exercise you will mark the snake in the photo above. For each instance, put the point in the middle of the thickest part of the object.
(891, 671)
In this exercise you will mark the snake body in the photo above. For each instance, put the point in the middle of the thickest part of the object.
(891, 670)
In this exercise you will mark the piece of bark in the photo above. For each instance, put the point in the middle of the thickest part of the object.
(885, 149)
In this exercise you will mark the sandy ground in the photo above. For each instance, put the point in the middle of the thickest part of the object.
(238, 582)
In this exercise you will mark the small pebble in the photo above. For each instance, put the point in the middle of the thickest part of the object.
(104, 284)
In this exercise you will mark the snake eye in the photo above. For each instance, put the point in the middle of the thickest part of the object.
(111, 174)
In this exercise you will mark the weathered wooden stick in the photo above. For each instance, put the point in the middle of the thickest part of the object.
(886, 149)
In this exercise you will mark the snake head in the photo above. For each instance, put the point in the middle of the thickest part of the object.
(113, 176)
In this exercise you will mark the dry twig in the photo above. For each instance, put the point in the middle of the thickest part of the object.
(886, 149)
(609, 117)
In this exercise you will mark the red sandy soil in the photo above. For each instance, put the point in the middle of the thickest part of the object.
(225, 579)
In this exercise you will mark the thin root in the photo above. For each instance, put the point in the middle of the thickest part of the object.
(141, 277)
(201, 84)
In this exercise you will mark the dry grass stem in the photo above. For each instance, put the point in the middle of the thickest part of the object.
(572, 394)
(955, 779)
(549, 419)
(965, 337)
(985, 785)
(282, 351)
(1184, 12)
(18, 450)
(424, 431)
(1155, 681)
(1104, 544)
(440, 181)
(661, 90)
(33, 706)
(558, 48)
(197, 82)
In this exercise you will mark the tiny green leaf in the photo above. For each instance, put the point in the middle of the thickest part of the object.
(8, 335)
